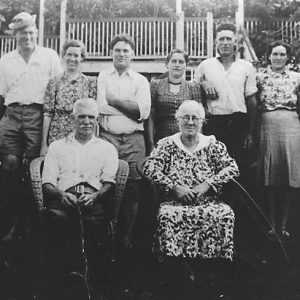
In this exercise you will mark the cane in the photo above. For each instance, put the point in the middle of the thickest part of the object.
(86, 269)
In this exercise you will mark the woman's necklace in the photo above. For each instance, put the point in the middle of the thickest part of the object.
(175, 83)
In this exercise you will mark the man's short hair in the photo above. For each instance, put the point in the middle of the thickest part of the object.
(73, 43)
(84, 102)
(226, 26)
(123, 37)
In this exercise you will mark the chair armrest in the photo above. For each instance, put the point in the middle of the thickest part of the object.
(140, 165)
(36, 166)
(121, 179)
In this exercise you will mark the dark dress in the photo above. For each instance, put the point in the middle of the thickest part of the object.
(166, 104)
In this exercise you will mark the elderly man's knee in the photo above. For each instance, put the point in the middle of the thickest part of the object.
(10, 162)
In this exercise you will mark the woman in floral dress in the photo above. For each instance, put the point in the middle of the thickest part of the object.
(191, 169)
(279, 138)
(167, 94)
(63, 91)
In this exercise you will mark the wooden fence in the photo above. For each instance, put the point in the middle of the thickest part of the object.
(285, 30)
(154, 37)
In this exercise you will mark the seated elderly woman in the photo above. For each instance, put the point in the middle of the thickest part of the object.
(191, 169)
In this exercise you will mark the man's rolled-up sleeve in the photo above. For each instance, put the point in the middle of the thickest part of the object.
(250, 87)
(143, 98)
(111, 164)
(51, 167)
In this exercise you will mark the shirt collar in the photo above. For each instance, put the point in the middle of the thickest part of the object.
(204, 141)
(65, 77)
(34, 53)
(128, 72)
(270, 71)
(72, 140)
(218, 57)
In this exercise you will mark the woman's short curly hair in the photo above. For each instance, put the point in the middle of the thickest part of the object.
(74, 43)
(186, 57)
(196, 106)
(287, 47)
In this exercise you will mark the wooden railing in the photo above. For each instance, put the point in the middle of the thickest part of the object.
(198, 39)
(288, 30)
(7, 43)
(153, 37)
(52, 42)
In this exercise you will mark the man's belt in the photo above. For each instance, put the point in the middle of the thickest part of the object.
(82, 188)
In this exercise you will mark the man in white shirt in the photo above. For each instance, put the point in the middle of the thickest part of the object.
(78, 177)
(124, 103)
(230, 86)
(24, 74)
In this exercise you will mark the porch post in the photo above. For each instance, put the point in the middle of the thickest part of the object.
(210, 34)
(41, 23)
(239, 15)
(179, 25)
(62, 34)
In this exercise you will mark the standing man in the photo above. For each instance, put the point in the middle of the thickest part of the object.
(229, 85)
(24, 74)
(124, 103)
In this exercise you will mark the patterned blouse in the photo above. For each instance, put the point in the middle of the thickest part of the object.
(277, 90)
(59, 99)
(166, 104)
(169, 164)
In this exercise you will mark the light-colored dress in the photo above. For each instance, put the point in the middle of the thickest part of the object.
(166, 103)
(60, 96)
(203, 229)
(279, 132)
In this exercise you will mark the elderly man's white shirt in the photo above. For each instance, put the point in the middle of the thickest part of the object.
(232, 85)
(129, 86)
(26, 83)
(69, 163)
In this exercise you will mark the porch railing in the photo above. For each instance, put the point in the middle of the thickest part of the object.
(287, 30)
(153, 37)
(8, 43)
(196, 37)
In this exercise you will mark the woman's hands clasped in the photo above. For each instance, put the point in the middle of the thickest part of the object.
(187, 195)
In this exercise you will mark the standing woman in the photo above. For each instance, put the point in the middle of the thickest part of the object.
(279, 153)
(167, 94)
(63, 91)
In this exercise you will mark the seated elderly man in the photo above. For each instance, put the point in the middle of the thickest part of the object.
(78, 177)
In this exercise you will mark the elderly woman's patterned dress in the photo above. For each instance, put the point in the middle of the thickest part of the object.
(203, 229)
(166, 103)
(60, 96)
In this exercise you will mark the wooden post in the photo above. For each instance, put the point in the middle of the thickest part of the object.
(179, 25)
(210, 34)
(62, 33)
(239, 15)
(41, 24)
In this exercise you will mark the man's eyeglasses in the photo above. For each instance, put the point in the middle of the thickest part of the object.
(194, 119)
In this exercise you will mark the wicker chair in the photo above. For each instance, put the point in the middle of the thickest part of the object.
(36, 167)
